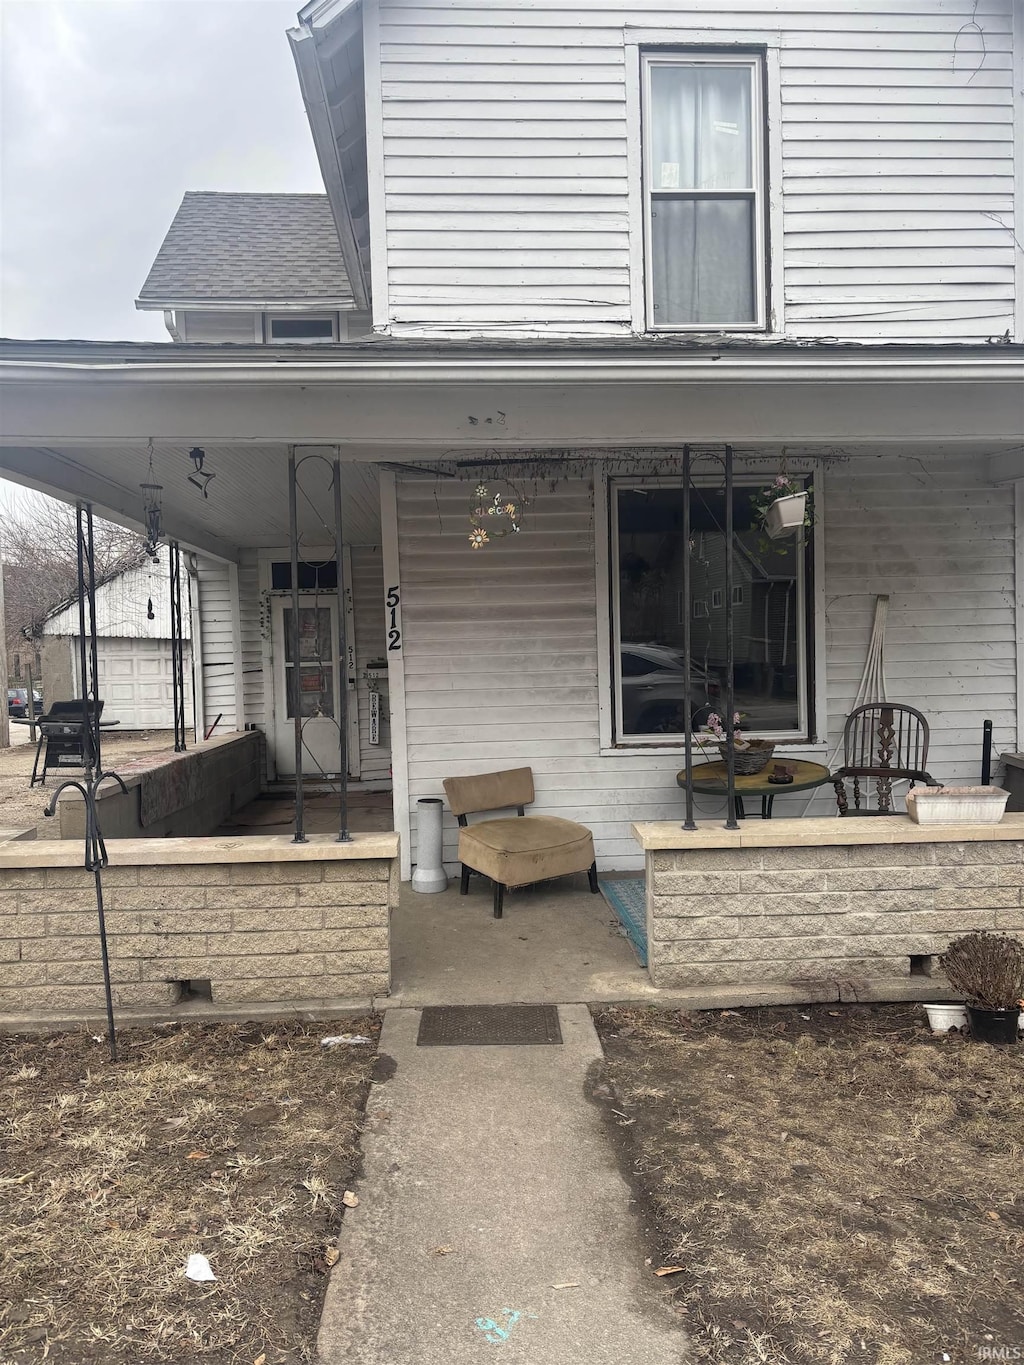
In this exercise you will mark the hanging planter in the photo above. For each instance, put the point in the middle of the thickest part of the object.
(786, 516)
(783, 507)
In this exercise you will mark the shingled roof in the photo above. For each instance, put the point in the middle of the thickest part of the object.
(252, 250)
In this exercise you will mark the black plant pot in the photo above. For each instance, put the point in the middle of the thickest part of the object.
(993, 1026)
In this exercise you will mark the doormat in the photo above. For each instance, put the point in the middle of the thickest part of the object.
(488, 1026)
(627, 896)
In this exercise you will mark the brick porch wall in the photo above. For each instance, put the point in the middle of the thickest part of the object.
(852, 914)
(280, 930)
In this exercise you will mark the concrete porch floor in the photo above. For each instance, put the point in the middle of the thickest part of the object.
(368, 813)
(555, 941)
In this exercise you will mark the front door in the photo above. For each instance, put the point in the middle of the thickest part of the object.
(309, 684)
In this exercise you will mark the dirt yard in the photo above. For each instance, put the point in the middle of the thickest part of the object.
(234, 1141)
(834, 1184)
(21, 805)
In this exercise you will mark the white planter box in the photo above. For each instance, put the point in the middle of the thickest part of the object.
(786, 516)
(956, 805)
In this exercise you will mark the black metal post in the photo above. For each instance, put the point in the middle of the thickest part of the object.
(177, 648)
(88, 755)
(88, 657)
(293, 540)
(344, 837)
(730, 682)
(689, 823)
(986, 754)
(111, 1033)
(94, 665)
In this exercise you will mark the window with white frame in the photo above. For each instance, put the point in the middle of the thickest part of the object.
(298, 328)
(771, 610)
(704, 190)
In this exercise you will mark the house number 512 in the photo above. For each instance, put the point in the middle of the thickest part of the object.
(393, 606)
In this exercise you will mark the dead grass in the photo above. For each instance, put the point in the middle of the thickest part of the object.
(206, 1138)
(837, 1185)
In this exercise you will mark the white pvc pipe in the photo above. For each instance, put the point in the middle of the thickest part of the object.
(430, 875)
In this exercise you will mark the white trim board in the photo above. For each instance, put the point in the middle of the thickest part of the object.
(1018, 579)
(375, 189)
(396, 671)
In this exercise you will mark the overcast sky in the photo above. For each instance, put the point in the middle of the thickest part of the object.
(111, 109)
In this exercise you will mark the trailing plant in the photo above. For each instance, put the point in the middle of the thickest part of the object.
(987, 969)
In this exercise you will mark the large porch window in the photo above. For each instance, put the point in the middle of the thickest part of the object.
(771, 624)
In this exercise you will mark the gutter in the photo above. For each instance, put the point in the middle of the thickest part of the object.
(332, 303)
(277, 370)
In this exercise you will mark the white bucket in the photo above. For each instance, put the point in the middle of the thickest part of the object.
(941, 1018)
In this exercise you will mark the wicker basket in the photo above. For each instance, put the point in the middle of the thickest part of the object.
(753, 758)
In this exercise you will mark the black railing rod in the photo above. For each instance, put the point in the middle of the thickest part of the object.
(177, 647)
(94, 664)
(730, 689)
(293, 541)
(690, 823)
(986, 754)
(83, 647)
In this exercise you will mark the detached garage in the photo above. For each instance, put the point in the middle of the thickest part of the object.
(133, 623)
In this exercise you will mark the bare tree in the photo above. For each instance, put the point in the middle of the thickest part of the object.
(39, 545)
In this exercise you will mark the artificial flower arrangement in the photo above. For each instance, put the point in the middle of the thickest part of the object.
(716, 726)
(749, 755)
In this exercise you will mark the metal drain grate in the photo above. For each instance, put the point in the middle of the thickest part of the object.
(488, 1026)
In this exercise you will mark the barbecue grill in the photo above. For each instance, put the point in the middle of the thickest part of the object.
(62, 737)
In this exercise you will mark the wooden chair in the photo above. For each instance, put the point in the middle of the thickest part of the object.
(517, 850)
(887, 741)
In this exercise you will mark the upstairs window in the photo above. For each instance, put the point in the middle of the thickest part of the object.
(704, 191)
(292, 328)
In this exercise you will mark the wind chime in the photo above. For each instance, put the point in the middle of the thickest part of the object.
(152, 494)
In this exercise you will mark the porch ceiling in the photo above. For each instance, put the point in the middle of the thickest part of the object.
(248, 497)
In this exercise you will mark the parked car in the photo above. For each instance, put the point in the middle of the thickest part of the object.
(17, 702)
(652, 689)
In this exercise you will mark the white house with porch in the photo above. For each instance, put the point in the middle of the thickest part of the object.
(569, 241)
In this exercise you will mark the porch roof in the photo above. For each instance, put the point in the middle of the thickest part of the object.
(389, 398)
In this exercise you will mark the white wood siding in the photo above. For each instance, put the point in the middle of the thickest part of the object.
(254, 685)
(501, 645)
(506, 145)
(122, 606)
(217, 637)
(219, 325)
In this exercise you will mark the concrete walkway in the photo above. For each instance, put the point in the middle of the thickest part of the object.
(488, 1181)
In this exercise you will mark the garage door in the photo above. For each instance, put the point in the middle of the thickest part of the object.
(135, 682)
